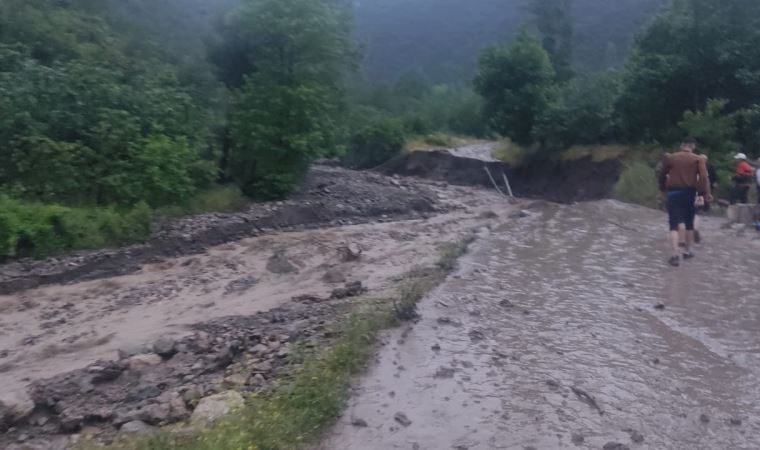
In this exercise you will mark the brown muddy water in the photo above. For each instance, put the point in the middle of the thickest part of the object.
(566, 329)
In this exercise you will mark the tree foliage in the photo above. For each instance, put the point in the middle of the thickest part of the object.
(553, 19)
(286, 113)
(517, 83)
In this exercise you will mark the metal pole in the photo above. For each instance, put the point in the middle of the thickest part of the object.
(509, 187)
(493, 181)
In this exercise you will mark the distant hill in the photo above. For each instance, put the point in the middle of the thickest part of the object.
(442, 38)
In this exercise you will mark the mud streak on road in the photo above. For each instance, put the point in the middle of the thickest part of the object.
(560, 304)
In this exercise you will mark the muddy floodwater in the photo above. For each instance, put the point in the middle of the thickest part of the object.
(566, 329)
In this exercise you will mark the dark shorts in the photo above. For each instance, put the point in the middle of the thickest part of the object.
(681, 209)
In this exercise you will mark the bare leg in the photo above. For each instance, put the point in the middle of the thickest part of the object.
(689, 240)
(675, 240)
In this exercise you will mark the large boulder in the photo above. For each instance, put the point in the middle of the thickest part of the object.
(214, 407)
(15, 407)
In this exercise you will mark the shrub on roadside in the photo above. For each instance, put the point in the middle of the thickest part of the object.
(375, 144)
(637, 184)
(39, 230)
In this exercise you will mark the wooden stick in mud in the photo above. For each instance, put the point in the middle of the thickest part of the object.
(509, 187)
(493, 181)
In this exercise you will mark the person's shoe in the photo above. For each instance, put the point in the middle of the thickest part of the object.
(697, 237)
(674, 261)
(688, 255)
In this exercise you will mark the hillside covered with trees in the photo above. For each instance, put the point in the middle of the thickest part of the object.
(114, 112)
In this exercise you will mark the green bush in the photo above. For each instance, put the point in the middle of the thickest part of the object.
(39, 230)
(638, 185)
(375, 144)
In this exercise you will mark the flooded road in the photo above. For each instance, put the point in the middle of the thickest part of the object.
(565, 329)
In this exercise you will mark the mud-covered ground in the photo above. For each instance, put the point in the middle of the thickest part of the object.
(567, 329)
(83, 359)
(330, 196)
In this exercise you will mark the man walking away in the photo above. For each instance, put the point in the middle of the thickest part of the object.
(683, 176)
(743, 179)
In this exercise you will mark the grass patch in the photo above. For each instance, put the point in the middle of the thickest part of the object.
(437, 141)
(511, 153)
(637, 184)
(296, 413)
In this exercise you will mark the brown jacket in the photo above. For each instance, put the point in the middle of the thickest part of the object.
(683, 170)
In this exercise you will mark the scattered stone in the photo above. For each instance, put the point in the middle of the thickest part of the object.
(444, 372)
(735, 422)
(636, 437)
(615, 446)
(359, 423)
(128, 351)
(307, 299)
(156, 413)
(519, 215)
(506, 304)
(138, 363)
(436, 348)
(334, 276)
(353, 289)
(402, 419)
(177, 407)
(235, 381)
(105, 371)
(552, 384)
(70, 421)
(240, 285)
(192, 395)
(214, 407)
(351, 252)
(704, 418)
(280, 264)
(165, 346)
(577, 439)
(263, 367)
(659, 306)
(137, 428)
(489, 215)
(656, 361)
(477, 335)
(448, 321)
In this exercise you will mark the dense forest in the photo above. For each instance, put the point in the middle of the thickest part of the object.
(115, 111)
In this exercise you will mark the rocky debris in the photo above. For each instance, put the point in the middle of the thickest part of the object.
(704, 418)
(246, 353)
(448, 321)
(328, 197)
(359, 423)
(137, 428)
(402, 419)
(436, 347)
(138, 363)
(577, 439)
(659, 306)
(586, 398)
(214, 407)
(353, 289)
(240, 285)
(615, 446)
(519, 215)
(350, 252)
(280, 264)
(308, 299)
(165, 347)
(15, 407)
(735, 421)
(334, 276)
(477, 335)
(552, 384)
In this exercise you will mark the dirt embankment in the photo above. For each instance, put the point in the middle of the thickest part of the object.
(561, 181)
(330, 196)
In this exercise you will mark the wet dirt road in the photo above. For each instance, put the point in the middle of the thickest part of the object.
(549, 337)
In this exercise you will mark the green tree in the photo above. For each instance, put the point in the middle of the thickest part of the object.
(555, 24)
(287, 111)
(714, 129)
(697, 50)
(517, 86)
(375, 144)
